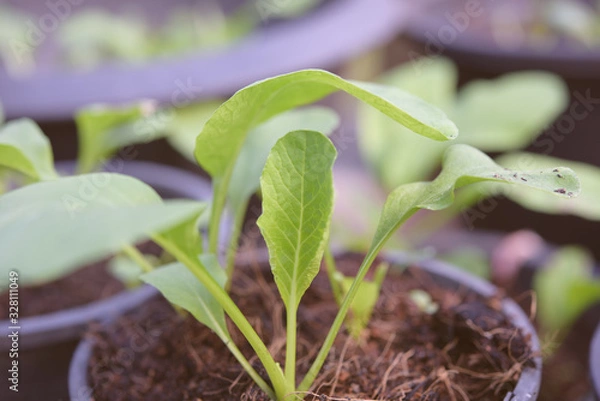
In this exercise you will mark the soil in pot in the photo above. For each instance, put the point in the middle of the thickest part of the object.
(43, 369)
(466, 350)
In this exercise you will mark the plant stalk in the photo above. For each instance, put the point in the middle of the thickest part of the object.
(331, 269)
(339, 319)
(134, 254)
(240, 213)
(234, 313)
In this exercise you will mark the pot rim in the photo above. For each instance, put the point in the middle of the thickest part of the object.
(68, 324)
(527, 387)
(595, 362)
(37, 96)
(469, 48)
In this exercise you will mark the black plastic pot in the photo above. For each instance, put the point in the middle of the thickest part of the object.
(595, 363)
(445, 274)
(327, 36)
(47, 342)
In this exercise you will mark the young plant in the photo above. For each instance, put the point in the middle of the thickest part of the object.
(297, 202)
(297, 188)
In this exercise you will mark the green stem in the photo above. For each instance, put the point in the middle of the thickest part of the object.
(331, 273)
(433, 222)
(234, 313)
(235, 351)
(216, 212)
(134, 254)
(339, 319)
(290, 348)
(240, 213)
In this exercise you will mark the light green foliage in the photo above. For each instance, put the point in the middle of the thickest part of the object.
(245, 180)
(365, 300)
(224, 134)
(92, 36)
(424, 301)
(126, 270)
(285, 9)
(463, 165)
(16, 50)
(76, 220)
(472, 259)
(24, 148)
(102, 130)
(186, 123)
(565, 288)
(493, 115)
(586, 205)
(297, 187)
(179, 285)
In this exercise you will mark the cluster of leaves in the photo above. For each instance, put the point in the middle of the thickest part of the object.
(499, 116)
(94, 36)
(245, 145)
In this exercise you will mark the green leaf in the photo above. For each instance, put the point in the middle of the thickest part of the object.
(297, 188)
(50, 228)
(181, 287)
(102, 130)
(366, 298)
(390, 149)
(245, 180)
(186, 123)
(471, 259)
(492, 115)
(586, 205)
(126, 270)
(224, 134)
(24, 148)
(565, 288)
(464, 165)
(508, 112)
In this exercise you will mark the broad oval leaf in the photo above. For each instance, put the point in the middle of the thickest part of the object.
(223, 136)
(181, 287)
(565, 288)
(586, 205)
(297, 188)
(465, 165)
(507, 113)
(50, 228)
(25, 148)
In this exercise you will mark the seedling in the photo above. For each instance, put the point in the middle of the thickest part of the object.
(297, 190)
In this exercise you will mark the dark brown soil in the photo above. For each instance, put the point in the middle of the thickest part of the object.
(88, 284)
(465, 351)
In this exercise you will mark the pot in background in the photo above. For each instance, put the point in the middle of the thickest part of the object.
(47, 342)
(323, 38)
(444, 274)
(595, 363)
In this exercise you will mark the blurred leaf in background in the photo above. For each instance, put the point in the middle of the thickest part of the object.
(565, 288)
(17, 49)
(495, 116)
